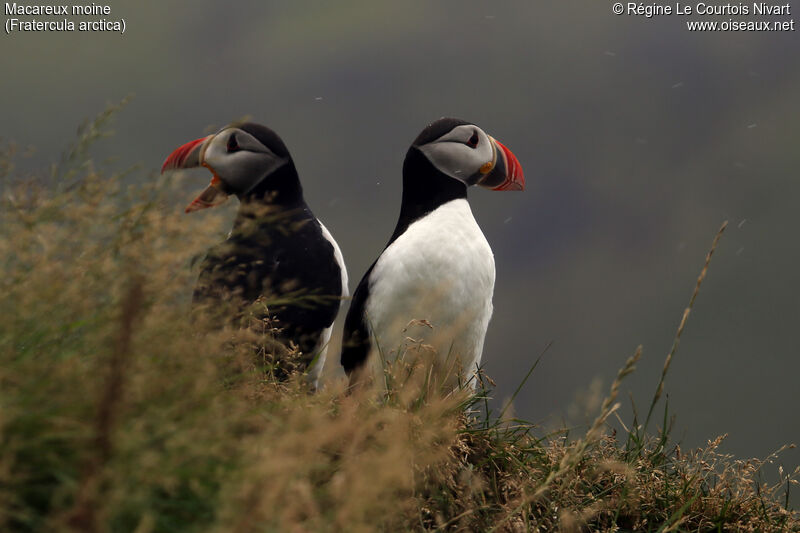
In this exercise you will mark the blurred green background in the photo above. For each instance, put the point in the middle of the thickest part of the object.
(637, 137)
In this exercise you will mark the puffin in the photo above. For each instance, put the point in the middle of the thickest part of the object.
(279, 261)
(429, 293)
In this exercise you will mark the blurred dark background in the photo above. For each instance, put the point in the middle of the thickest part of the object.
(637, 137)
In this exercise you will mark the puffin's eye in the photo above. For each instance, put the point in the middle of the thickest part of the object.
(233, 146)
(473, 141)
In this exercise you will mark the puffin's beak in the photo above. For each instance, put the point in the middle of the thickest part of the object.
(505, 172)
(186, 156)
(190, 155)
(211, 196)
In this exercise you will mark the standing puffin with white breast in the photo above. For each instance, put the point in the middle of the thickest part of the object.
(431, 288)
(277, 250)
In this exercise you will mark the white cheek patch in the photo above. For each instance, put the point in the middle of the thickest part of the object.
(243, 169)
(456, 159)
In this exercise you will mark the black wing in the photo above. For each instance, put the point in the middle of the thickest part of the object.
(294, 271)
(356, 342)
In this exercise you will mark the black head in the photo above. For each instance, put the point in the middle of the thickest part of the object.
(265, 136)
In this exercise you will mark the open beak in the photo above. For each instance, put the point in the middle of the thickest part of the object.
(211, 196)
(190, 155)
(506, 173)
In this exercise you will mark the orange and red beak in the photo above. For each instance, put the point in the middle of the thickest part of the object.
(190, 155)
(506, 174)
(185, 156)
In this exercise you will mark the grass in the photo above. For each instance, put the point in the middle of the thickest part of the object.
(116, 415)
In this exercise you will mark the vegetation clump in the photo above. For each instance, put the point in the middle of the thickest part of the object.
(116, 414)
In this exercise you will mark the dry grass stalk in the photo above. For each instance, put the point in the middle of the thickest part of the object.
(676, 341)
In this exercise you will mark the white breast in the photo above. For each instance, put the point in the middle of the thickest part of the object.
(441, 271)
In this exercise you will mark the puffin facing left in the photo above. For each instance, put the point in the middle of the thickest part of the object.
(277, 251)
